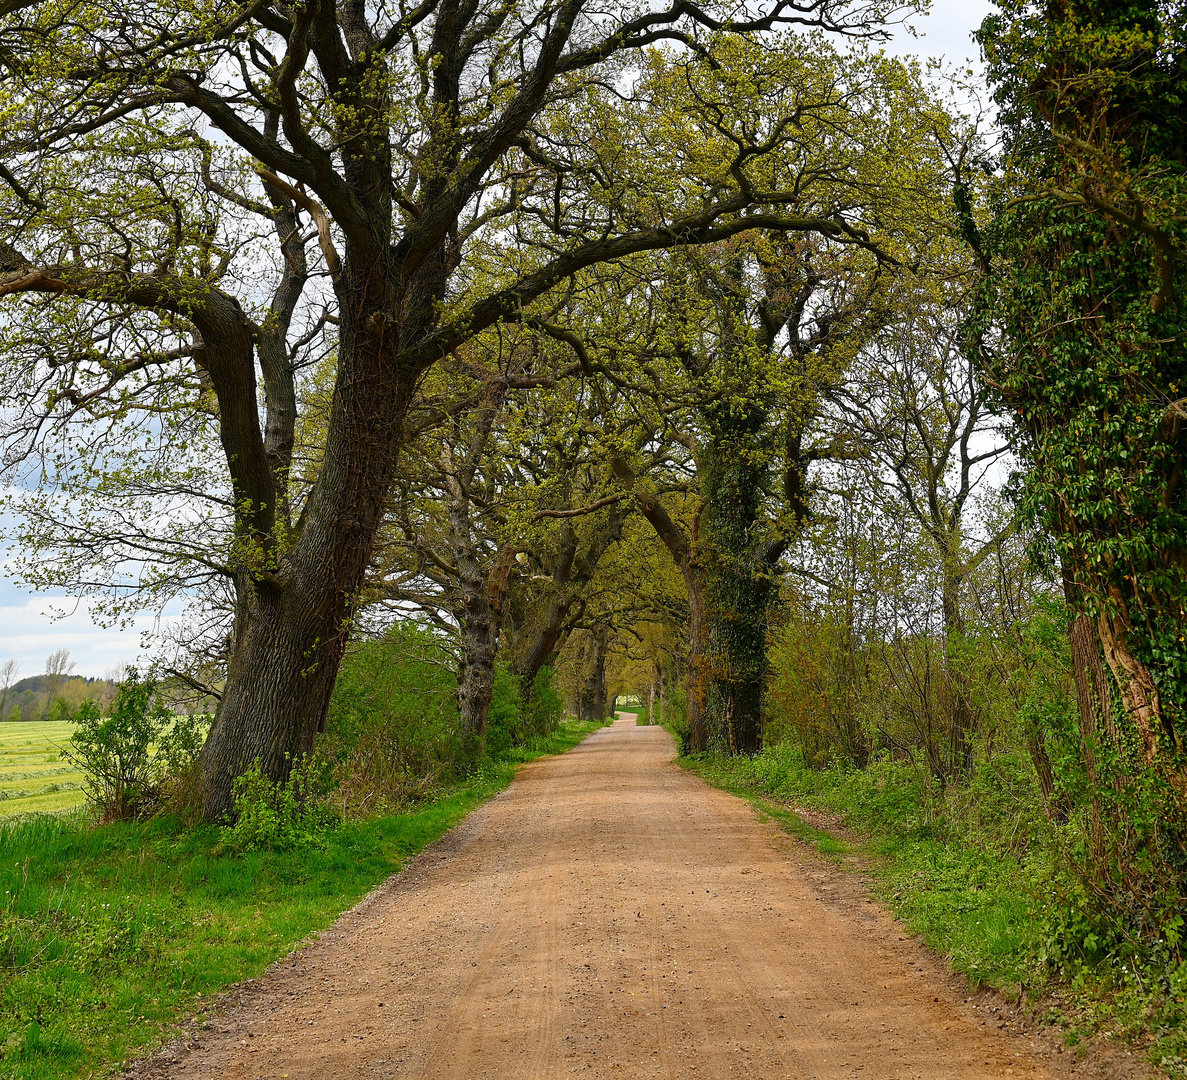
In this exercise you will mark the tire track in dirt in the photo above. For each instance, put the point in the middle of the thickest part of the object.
(608, 916)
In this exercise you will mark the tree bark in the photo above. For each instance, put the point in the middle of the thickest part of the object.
(591, 702)
(294, 622)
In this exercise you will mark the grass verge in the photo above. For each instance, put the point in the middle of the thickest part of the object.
(971, 874)
(973, 904)
(109, 936)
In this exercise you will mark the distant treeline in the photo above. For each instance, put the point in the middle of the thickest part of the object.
(52, 697)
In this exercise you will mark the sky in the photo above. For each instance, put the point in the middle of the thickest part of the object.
(945, 31)
(29, 629)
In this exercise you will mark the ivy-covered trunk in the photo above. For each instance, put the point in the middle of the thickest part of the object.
(1084, 305)
(741, 579)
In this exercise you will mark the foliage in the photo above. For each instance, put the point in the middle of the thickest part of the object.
(1079, 288)
(1081, 336)
(277, 817)
(514, 721)
(131, 756)
(391, 734)
(505, 705)
(675, 718)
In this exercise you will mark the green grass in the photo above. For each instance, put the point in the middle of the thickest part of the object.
(34, 778)
(109, 936)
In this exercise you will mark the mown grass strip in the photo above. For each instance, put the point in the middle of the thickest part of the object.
(109, 936)
(34, 777)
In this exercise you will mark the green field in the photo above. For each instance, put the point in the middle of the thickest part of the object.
(34, 776)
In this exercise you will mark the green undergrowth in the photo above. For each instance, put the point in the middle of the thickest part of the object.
(110, 935)
(975, 871)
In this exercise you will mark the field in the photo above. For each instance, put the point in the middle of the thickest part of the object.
(34, 777)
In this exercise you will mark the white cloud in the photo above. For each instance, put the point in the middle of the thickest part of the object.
(29, 633)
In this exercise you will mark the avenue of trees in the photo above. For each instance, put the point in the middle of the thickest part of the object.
(703, 353)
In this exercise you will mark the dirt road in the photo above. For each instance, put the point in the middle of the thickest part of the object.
(608, 915)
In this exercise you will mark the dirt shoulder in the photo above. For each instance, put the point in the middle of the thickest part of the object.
(612, 915)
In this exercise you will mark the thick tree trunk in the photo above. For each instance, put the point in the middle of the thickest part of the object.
(1093, 708)
(482, 618)
(293, 620)
(744, 717)
(592, 695)
(476, 668)
(1139, 695)
(277, 692)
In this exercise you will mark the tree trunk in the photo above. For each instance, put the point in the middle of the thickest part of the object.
(293, 621)
(744, 717)
(696, 705)
(1138, 693)
(1055, 809)
(573, 569)
(476, 668)
(1093, 708)
(592, 694)
(962, 718)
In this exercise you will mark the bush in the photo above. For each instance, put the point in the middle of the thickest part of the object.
(544, 709)
(676, 718)
(515, 722)
(392, 731)
(503, 718)
(277, 817)
(133, 756)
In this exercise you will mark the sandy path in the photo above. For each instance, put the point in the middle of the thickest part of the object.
(609, 915)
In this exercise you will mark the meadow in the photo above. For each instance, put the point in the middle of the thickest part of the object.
(35, 777)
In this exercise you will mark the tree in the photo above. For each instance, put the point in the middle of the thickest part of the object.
(915, 401)
(57, 666)
(8, 673)
(416, 143)
(1079, 330)
(1079, 333)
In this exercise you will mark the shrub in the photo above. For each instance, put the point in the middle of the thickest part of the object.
(277, 817)
(676, 717)
(506, 704)
(132, 756)
(544, 709)
(392, 731)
